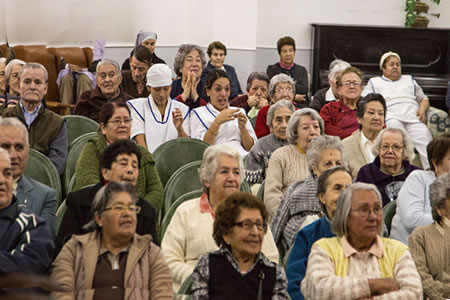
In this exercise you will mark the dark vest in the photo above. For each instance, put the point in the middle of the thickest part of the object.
(108, 283)
(44, 129)
(227, 283)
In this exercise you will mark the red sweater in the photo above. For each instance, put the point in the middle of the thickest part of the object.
(339, 119)
(261, 128)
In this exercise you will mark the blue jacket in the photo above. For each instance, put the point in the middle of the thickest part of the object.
(37, 198)
(235, 87)
(26, 244)
(298, 258)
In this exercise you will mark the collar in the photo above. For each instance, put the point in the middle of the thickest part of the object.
(33, 113)
(287, 67)
(205, 206)
(364, 140)
(15, 184)
(329, 95)
(376, 248)
(299, 149)
(213, 110)
(260, 257)
(390, 80)
(10, 212)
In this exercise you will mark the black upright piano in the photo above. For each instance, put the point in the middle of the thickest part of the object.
(425, 54)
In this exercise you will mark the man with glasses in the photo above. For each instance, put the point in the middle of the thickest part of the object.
(108, 78)
(32, 195)
(281, 87)
(47, 130)
(118, 162)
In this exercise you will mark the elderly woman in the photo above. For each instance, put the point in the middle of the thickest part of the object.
(370, 111)
(413, 202)
(289, 163)
(429, 244)
(286, 50)
(358, 263)
(115, 124)
(407, 103)
(257, 94)
(2, 79)
(119, 162)
(281, 87)
(189, 234)
(217, 53)
(217, 122)
(158, 118)
(340, 116)
(394, 150)
(329, 186)
(147, 39)
(189, 63)
(300, 201)
(12, 72)
(112, 261)
(239, 270)
(257, 160)
(329, 94)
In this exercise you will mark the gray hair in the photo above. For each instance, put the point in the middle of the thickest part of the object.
(280, 78)
(14, 122)
(36, 66)
(181, 55)
(292, 133)
(104, 196)
(439, 193)
(407, 142)
(109, 62)
(257, 76)
(2, 59)
(321, 143)
(209, 164)
(10, 65)
(344, 204)
(273, 108)
(336, 67)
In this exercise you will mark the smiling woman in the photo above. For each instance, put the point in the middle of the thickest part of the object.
(217, 122)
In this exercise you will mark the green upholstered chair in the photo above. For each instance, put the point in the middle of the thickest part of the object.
(171, 210)
(388, 214)
(60, 214)
(74, 153)
(260, 193)
(186, 287)
(245, 187)
(41, 169)
(253, 122)
(176, 153)
(77, 126)
(184, 180)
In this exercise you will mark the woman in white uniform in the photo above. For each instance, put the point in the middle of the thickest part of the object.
(219, 123)
(406, 102)
(158, 118)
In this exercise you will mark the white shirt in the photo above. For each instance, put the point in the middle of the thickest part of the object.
(367, 145)
(229, 133)
(147, 120)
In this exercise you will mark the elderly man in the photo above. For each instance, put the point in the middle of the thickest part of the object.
(133, 82)
(158, 118)
(281, 87)
(108, 78)
(47, 130)
(36, 197)
(27, 243)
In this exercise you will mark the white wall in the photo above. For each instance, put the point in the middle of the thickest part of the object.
(249, 28)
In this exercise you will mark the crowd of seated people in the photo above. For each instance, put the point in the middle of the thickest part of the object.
(328, 230)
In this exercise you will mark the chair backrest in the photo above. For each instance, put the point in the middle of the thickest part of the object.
(253, 122)
(60, 214)
(389, 213)
(184, 180)
(245, 187)
(186, 286)
(176, 153)
(77, 126)
(74, 153)
(260, 193)
(171, 210)
(41, 169)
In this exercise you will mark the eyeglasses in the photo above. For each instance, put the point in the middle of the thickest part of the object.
(117, 122)
(122, 208)
(364, 211)
(395, 147)
(349, 83)
(282, 90)
(248, 225)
